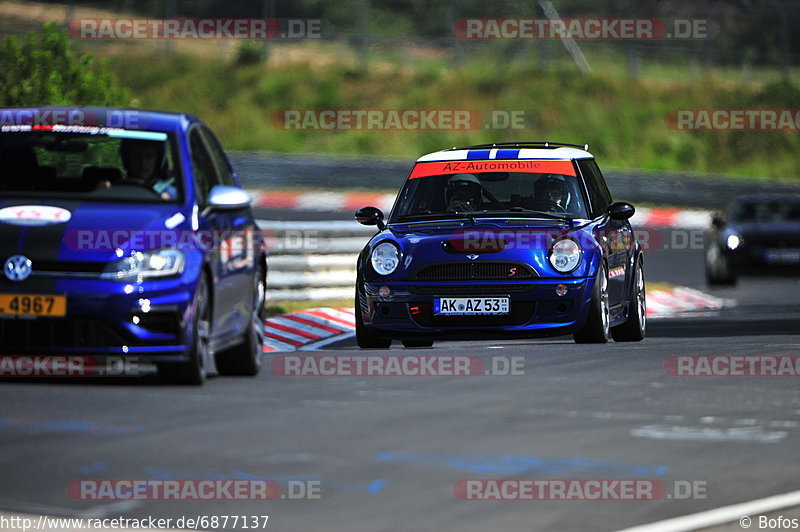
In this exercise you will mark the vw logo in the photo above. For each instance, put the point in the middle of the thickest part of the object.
(17, 268)
(472, 257)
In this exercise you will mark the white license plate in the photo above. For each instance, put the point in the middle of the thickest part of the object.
(470, 306)
(783, 256)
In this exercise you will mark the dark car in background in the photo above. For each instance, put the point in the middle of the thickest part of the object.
(126, 233)
(501, 241)
(758, 235)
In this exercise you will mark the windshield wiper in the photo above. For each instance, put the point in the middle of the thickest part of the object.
(425, 215)
(565, 217)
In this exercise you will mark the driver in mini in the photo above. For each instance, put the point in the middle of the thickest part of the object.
(549, 194)
(463, 193)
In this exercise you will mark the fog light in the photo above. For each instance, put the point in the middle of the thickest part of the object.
(561, 289)
(384, 291)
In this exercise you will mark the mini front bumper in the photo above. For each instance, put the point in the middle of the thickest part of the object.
(535, 310)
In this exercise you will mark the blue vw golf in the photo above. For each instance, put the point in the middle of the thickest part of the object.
(498, 241)
(126, 233)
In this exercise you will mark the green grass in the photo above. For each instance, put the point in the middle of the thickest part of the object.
(622, 120)
(660, 286)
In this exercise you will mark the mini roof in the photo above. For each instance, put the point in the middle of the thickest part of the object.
(510, 151)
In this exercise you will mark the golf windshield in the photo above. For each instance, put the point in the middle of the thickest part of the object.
(103, 164)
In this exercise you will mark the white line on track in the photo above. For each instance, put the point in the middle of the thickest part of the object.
(719, 516)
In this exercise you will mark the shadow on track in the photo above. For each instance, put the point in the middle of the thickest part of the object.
(702, 327)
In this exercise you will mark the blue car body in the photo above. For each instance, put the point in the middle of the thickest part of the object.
(148, 317)
(485, 253)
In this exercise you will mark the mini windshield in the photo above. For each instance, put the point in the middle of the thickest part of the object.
(546, 189)
(96, 164)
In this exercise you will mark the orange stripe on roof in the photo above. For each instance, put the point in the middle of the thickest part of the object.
(533, 166)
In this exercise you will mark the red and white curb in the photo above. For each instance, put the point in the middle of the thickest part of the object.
(315, 328)
(673, 218)
(682, 302)
(340, 201)
(308, 329)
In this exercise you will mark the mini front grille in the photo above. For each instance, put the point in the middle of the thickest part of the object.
(458, 271)
(470, 290)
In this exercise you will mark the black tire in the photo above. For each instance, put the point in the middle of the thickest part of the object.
(718, 268)
(417, 343)
(194, 371)
(365, 338)
(245, 359)
(635, 327)
(596, 330)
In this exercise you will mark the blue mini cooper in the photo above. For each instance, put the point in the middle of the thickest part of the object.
(499, 241)
(126, 233)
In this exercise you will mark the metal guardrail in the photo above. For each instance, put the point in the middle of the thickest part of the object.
(370, 173)
(313, 260)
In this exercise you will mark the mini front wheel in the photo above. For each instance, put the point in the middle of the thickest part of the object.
(596, 328)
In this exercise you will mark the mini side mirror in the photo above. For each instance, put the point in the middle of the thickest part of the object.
(621, 210)
(370, 216)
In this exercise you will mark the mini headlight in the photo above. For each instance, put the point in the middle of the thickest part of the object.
(385, 258)
(141, 265)
(565, 255)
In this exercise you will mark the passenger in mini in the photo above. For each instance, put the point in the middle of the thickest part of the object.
(463, 193)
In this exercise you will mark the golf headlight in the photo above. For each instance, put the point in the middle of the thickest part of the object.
(733, 241)
(385, 258)
(565, 255)
(141, 265)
